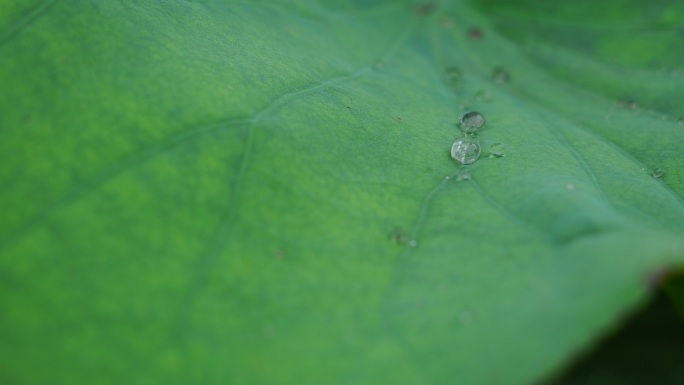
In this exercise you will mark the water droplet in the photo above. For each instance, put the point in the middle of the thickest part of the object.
(465, 150)
(413, 243)
(483, 96)
(471, 121)
(496, 150)
(501, 76)
(452, 76)
(571, 187)
(658, 173)
(463, 175)
(680, 121)
(632, 105)
(475, 33)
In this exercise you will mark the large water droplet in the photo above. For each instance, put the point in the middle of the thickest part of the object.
(465, 150)
(471, 121)
(501, 76)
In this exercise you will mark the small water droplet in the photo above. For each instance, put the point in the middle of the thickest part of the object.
(497, 150)
(482, 96)
(452, 76)
(658, 173)
(571, 187)
(465, 150)
(463, 175)
(501, 76)
(413, 243)
(471, 121)
(680, 121)
(632, 105)
(475, 33)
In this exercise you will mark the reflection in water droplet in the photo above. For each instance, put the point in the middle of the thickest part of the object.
(501, 76)
(496, 150)
(471, 121)
(658, 173)
(465, 150)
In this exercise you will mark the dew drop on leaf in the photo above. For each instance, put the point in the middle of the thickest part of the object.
(463, 174)
(413, 243)
(657, 173)
(632, 105)
(496, 150)
(465, 150)
(471, 121)
(501, 76)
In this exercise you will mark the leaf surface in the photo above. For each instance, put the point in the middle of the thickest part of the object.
(262, 193)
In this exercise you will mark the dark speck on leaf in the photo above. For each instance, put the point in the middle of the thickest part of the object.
(475, 33)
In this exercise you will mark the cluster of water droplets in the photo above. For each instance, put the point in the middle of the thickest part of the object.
(466, 150)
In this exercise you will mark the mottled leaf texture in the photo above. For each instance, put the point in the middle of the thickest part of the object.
(261, 192)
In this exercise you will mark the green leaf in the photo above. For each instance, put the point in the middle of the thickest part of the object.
(257, 192)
